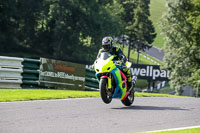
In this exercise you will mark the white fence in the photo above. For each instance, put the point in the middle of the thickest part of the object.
(10, 72)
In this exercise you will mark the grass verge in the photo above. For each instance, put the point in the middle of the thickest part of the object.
(7, 95)
(42, 94)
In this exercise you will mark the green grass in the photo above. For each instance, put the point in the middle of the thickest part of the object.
(193, 130)
(142, 60)
(157, 8)
(166, 89)
(42, 94)
(133, 56)
(7, 95)
(140, 94)
(141, 83)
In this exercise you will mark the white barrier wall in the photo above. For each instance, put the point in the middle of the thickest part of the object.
(10, 72)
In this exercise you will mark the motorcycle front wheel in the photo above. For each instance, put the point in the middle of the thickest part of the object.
(129, 99)
(103, 88)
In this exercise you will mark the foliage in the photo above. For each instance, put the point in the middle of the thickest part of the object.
(69, 30)
(181, 26)
(139, 27)
(139, 32)
(145, 32)
(55, 28)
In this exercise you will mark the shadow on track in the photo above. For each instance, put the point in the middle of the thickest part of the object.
(136, 107)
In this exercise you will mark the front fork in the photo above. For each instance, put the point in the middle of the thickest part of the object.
(109, 87)
(109, 81)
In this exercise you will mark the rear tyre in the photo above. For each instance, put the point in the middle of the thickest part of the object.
(103, 85)
(129, 99)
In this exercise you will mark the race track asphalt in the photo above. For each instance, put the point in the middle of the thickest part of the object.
(156, 53)
(91, 115)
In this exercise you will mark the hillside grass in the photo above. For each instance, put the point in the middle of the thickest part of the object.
(157, 8)
(8, 95)
(150, 57)
(134, 55)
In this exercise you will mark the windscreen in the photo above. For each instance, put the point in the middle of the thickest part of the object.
(105, 56)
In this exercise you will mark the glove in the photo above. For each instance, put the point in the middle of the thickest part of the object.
(118, 63)
(92, 67)
(123, 60)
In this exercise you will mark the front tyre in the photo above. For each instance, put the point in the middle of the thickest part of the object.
(129, 99)
(103, 87)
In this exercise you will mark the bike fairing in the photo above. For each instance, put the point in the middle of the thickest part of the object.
(107, 65)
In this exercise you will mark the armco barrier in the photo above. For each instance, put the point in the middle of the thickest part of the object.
(30, 75)
(91, 83)
(10, 72)
(24, 73)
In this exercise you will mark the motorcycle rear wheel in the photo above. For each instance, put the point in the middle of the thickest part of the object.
(129, 99)
(103, 91)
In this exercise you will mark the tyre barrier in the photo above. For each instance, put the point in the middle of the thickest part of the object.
(30, 75)
(91, 83)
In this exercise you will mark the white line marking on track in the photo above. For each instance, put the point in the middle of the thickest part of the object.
(182, 128)
(47, 100)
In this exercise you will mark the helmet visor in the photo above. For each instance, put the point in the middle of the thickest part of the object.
(106, 47)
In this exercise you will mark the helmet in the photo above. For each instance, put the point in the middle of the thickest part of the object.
(107, 43)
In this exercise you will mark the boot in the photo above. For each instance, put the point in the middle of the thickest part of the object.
(133, 81)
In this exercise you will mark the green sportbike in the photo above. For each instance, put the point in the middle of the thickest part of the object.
(112, 81)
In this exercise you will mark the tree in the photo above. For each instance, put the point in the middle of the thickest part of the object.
(77, 21)
(181, 28)
(143, 26)
(19, 21)
(139, 27)
(127, 17)
(56, 29)
(145, 31)
(8, 25)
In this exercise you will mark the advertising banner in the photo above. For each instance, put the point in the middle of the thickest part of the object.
(150, 72)
(61, 74)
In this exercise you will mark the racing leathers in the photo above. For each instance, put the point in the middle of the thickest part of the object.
(117, 52)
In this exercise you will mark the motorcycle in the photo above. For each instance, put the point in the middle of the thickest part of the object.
(112, 81)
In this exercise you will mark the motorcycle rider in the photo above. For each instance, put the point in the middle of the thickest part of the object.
(107, 46)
